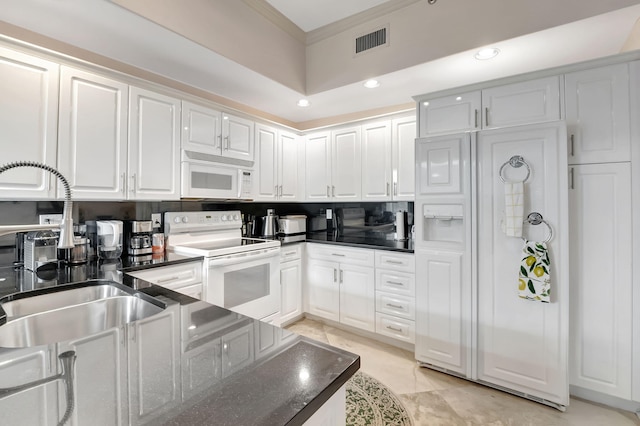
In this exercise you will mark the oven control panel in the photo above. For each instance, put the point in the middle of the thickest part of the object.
(176, 222)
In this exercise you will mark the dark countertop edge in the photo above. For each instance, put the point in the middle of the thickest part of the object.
(310, 239)
(310, 409)
(177, 261)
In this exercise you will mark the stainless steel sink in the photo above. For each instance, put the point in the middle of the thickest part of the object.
(72, 311)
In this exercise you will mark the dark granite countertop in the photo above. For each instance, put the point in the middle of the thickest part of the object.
(191, 364)
(370, 240)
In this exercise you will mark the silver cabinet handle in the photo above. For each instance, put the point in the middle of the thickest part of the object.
(571, 186)
(328, 191)
(399, 330)
(290, 253)
(166, 280)
(391, 305)
(280, 191)
(338, 254)
(226, 142)
(341, 276)
(394, 262)
(394, 283)
(333, 190)
(275, 190)
(219, 139)
(486, 116)
(387, 193)
(395, 188)
(571, 145)
(335, 275)
(476, 118)
(133, 183)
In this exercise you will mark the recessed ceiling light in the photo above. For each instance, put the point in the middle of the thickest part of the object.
(304, 103)
(371, 84)
(487, 53)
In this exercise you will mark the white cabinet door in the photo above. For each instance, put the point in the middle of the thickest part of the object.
(597, 114)
(441, 316)
(357, 296)
(237, 349)
(289, 167)
(92, 152)
(439, 164)
(318, 166)
(266, 185)
(528, 102)
(38, 405)
(29, 121)
(376, 161)
(601, 282)
(291, 290)
(403, 136)
(323, 289)
(154, 365)
(201, 368)
(154, 146)
(346, 176)
(201, 129)
(523, 344)
(100, 389)
(450, 114)
(237, 137)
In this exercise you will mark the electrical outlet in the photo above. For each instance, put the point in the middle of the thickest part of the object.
(46, 219)
(156, 220)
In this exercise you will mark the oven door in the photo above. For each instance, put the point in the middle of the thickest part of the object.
(201, 179)
(247, 283)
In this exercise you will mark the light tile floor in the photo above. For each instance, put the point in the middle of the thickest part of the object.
(434, 398)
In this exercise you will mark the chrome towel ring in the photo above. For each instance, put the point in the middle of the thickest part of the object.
(536, 218)
(516, 161)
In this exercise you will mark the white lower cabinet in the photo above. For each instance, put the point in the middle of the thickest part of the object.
(601, 278)
(154, 365)
(100, 391)
(341, 285)
(291, 283)
(395, 295)
(185, 278)
(35, 406)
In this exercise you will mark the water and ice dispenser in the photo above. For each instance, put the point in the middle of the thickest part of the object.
(442, 223)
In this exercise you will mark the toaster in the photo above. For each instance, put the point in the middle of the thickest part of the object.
(292, 224)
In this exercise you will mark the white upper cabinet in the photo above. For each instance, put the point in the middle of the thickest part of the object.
(210, 131)
(92, 152)
(528, 102)
(376, 161)
(403, 142)
(346, 176)
(450, 114)
(278, 156)
(29, 121)
(318, 166)
(598, 114)
(154, 146)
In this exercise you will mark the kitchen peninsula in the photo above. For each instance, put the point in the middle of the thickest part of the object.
(191, 364)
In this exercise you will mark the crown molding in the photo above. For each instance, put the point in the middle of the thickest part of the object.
(349, 22)
(272, 14)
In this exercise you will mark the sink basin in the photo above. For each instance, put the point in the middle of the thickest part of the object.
(72, 311)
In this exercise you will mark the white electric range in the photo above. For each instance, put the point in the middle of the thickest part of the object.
(240, 274)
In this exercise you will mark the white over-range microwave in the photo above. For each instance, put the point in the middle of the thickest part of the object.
(207, 179)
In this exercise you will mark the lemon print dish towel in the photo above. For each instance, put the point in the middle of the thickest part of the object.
(535, 280)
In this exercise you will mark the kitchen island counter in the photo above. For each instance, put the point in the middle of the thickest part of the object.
(191, 364)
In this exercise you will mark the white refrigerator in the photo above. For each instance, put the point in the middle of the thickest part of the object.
(478, 313)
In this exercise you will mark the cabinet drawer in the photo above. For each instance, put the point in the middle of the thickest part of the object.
(398, 328)
(394, 282)
(290, 252)
(404, 262)
(396, 305)
(173, 277)
(352, 256)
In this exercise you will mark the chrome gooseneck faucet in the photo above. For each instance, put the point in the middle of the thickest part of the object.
(66, 227)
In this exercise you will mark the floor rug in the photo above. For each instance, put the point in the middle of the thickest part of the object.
(369, 402)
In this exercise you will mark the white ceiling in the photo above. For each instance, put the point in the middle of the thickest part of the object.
(104, 28)
(309, 15)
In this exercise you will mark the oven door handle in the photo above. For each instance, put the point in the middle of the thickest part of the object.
(252, 255)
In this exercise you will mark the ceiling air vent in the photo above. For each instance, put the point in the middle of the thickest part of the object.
(373, 39)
